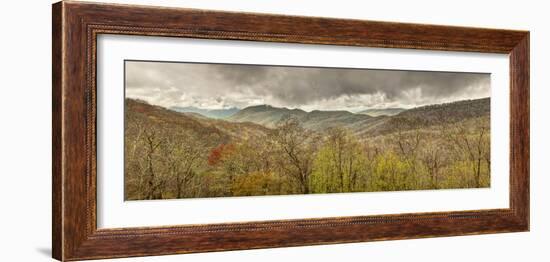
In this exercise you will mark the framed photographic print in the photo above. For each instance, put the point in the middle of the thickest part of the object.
(181, 130)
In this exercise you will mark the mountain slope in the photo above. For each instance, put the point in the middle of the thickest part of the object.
(265, 115)
(212, 129)
(431, 115)
(382, 111)
(454, 111)
(321, 120)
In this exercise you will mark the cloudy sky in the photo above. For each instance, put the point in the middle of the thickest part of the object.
(216, 86)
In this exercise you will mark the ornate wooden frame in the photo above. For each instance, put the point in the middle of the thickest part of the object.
(76, 26)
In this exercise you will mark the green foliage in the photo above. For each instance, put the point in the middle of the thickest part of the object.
(391, 173)
(257, 184)
(340, 163)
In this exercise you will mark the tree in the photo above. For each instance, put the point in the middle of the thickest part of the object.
(152, 143)
(296, 147)
(433, 157)
(471, 141)
(408, 138)
(182, 151)
(391, 173)
(133, 168)
(257, 183)
(339, 162)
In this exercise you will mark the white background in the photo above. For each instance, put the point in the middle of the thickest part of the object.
(114, 212)
(25, 147)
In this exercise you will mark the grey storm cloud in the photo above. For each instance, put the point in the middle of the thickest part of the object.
(228, 85)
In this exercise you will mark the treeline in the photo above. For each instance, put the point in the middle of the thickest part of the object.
(164, 161)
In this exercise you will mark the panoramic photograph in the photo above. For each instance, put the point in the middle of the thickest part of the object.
(202, 130)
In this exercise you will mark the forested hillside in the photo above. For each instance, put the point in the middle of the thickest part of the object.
(263, 150)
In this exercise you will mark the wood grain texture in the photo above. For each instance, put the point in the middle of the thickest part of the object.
(57, 192)
(76, 26)
(519, 129)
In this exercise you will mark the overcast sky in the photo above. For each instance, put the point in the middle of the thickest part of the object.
(216, 86)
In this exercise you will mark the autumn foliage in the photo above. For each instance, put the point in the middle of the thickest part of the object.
(218, 152)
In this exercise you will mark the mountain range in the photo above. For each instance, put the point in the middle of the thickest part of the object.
(228, 112)
(255, 121)
(315, 120)
(362, 123)
(211, 113)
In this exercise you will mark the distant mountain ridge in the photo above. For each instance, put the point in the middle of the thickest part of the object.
(364, 124)
(382, 111)
(315, 120)
(211, 113)
(265, 115)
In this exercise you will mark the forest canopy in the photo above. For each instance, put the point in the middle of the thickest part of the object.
(171, 154)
